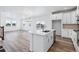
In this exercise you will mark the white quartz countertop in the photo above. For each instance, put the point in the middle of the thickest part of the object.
(41, 33)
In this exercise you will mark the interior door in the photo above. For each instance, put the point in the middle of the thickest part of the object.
(56, 24)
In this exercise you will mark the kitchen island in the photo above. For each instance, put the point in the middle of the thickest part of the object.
(41, 41)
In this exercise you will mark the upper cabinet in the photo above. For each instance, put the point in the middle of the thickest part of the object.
(66, 18)
(57, 16)
(73, 17)
(54, 17)
(78, 10)
(69, 18)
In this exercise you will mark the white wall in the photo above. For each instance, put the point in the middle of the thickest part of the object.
(34, 20)
(44, 18)
(19, 21)
(4, 16)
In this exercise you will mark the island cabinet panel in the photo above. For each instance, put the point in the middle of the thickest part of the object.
(46, 43)
(42, 43)
(38, 43)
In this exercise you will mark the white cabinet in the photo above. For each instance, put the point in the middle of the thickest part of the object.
(46, 40)
(66, 18)
(27, 25)
(73, 17)
(78, 10)
(74, 40)
(69, 32)
(38, 43)
(66, 33)
(69, 18)
(42, 43)
(57, 16)
(54, 17)
(50, 39)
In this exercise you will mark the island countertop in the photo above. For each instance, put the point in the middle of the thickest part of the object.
(40, 32)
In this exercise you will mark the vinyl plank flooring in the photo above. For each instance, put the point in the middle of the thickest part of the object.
(62, 45)
(17, 41)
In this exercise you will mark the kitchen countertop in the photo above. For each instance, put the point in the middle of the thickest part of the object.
(41, 33)
(76, 30)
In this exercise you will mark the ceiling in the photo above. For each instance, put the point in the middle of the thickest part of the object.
(32, 10)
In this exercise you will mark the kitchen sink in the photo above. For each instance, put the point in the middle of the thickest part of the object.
(76, 31)
(46, 31)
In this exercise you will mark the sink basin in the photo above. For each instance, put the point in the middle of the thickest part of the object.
(46, 31)
(76, 31)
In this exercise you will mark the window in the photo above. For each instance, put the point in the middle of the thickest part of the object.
(13, 23)
(8, 22)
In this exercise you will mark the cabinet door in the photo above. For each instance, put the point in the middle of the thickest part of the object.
(73, 17)
(59, 16)
(54, 17)
(78, 10)
(68, 19)
(52, 37)
(64, 33)
(46, 43)
(49, 41)
(64, 18)
(68, 33)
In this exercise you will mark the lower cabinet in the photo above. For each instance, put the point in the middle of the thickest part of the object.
(42, 43)
(46, 43)
(66, 33)
(74, 39)
(38, 43)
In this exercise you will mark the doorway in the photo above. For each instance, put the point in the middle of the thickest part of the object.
(56, 24)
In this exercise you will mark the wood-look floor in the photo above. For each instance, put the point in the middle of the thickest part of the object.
(18, 42)
(62, 45)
